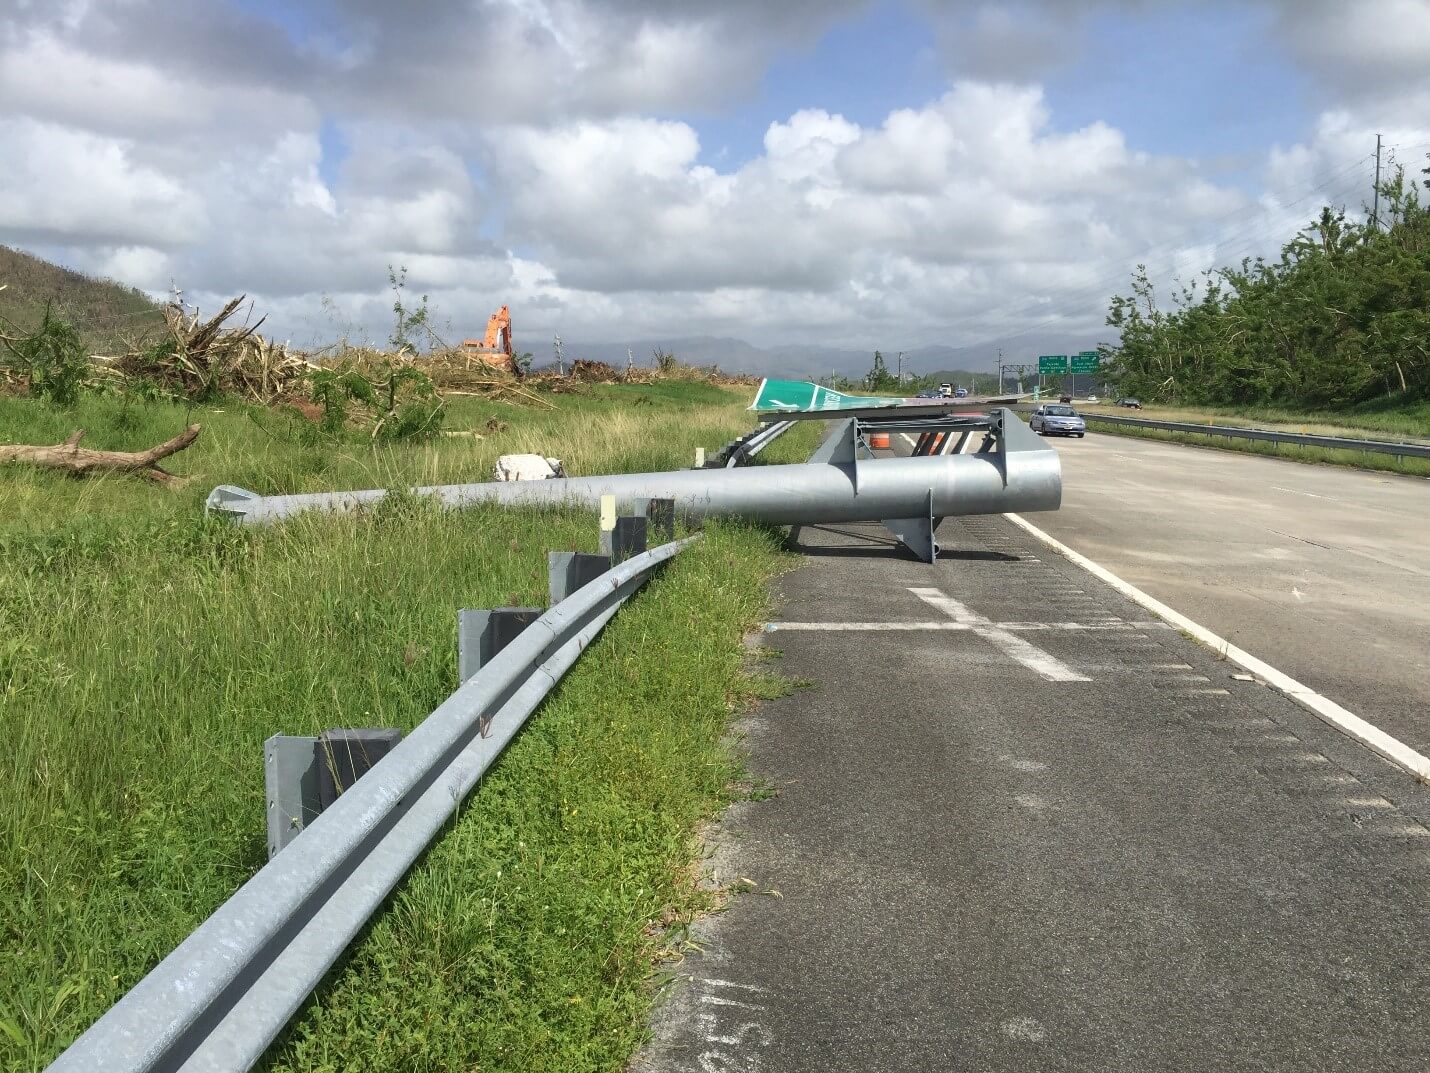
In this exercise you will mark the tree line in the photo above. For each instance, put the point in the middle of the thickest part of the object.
(1342, 317)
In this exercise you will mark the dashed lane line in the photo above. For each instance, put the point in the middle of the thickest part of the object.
(1344, 720)
(945, 626)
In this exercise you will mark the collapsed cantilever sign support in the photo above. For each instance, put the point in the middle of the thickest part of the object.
(1012, 471)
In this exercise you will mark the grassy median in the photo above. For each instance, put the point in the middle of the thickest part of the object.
(1412, 467)
(145, 653)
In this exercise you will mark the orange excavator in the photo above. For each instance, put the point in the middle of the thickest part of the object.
(495, 349)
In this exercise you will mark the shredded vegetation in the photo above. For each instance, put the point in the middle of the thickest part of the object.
(146, 653)
(1339, 321)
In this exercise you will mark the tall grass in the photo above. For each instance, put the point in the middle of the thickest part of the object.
(146, 653)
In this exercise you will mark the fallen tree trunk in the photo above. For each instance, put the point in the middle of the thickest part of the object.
(73, 458)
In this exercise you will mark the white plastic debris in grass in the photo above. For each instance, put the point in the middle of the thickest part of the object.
(527, 468)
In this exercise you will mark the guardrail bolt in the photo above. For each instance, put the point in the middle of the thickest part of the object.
(570, 570)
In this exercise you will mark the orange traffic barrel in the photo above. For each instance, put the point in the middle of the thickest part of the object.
(879, 441)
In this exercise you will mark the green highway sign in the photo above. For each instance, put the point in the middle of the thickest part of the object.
(777, 395)
(1053, 363)
(1086, 362)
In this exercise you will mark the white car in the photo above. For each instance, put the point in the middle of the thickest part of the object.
(1057, 421)
(1092, 398)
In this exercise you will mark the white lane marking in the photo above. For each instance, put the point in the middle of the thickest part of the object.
(1013, 646)
(1350, 724)
(1369, 802)
(716, 982)
(843, 627)
(1023, 765)
(1298, 492)
(1023, 1029)
(1015, 627)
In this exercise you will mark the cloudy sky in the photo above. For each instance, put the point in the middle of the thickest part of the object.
(889, 174)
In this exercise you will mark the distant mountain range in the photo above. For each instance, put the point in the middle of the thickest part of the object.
(795, 362)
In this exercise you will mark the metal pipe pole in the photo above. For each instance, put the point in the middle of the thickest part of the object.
(1022, 474)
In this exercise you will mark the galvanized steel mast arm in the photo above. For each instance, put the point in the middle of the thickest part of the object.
(1017, 473)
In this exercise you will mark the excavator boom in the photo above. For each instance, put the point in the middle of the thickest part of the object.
(496, 347)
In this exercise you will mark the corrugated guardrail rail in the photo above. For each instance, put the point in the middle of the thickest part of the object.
(738, 452)
(226, 991)
(1303, 439)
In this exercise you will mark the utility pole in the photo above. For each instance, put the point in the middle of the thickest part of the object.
(630, 362)
(560, 360)
(901, 370)
(1375, 212)
(1000, 371)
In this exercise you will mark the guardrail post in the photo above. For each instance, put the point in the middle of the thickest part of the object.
(303, 775)
(660, 520)
(626, 538)
(290, 784)
(481, 634)
(344, 756)
(570, 570)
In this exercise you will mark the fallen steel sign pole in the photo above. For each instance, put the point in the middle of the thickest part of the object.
(1015, 472)
(224, 994)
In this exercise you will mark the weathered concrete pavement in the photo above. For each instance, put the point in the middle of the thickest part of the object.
(1322, 571)
(973, 865)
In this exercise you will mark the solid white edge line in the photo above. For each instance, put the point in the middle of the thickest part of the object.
(1347, 722)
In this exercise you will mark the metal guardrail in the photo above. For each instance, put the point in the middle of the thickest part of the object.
(1303, 439)
(222, 996)
(738, 452)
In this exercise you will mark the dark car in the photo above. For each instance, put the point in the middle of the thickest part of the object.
(1131, 404)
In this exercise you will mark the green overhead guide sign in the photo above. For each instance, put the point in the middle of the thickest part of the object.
(778, 395)
(1085, 361)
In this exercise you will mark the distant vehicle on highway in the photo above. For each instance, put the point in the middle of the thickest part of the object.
(960, 393)
(1057, 420)
(933, 393)
(1092, 398)
(1131, 404)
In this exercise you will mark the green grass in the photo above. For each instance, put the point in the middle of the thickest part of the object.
(146, 653)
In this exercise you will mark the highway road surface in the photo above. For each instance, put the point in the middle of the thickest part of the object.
(1017, 826)
(1321, 571)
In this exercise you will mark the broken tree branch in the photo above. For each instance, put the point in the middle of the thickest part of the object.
(72, 458)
